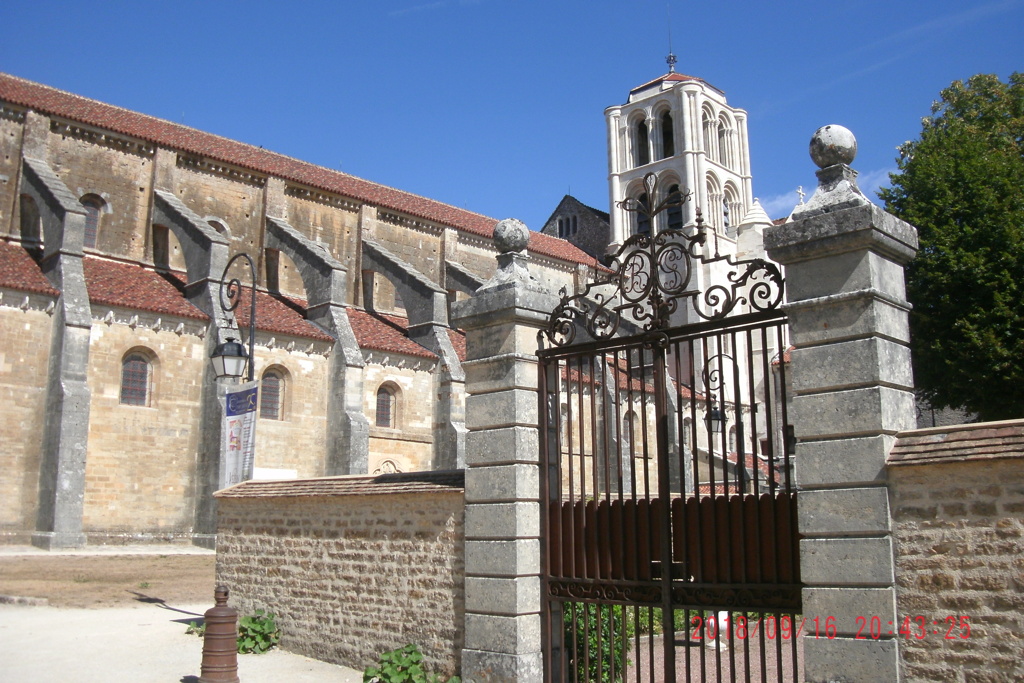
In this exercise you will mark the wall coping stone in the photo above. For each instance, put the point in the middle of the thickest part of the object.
(959, 443)
(443, 481)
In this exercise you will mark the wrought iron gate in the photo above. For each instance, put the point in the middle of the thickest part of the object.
(669, 534)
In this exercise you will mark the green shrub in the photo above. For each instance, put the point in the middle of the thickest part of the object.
(607, 637)
(257, 633)
(401, 666)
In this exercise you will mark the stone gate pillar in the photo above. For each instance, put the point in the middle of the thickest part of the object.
(503, 602)
(852, 392)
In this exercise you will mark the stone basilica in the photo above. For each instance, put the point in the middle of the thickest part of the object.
(117, 228)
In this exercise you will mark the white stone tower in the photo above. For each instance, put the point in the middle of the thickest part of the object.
(681, 128)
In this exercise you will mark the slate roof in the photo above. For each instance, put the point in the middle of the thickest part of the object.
(18, 270)
(134, 287)
(66, 105)
(980, 441)
(449, 481)
(381, 332)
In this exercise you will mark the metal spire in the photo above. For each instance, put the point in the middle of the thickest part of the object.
(671, 59)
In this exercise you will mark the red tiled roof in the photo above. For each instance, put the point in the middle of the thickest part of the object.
(278, 313)
(671, 76)
(132, 286)
(19, 271)
(175, 136)
(458, 338)
(447, 481)
(381, 332)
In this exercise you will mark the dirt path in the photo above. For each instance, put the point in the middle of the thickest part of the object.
(109, 580)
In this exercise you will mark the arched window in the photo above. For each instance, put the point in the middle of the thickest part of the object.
(387, 406)
(272, 386)
(643, 152)
(136, 371)
(710, 138)
(715, 216)
(725, 142)
(668, 144)
(643, 221)
(632, 441)
(93, 209)
(675, 213)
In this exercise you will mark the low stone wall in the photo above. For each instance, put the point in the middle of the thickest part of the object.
(957, 496)
(352, 566)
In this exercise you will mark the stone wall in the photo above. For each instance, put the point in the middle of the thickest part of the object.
(352, 566)
(957, 498)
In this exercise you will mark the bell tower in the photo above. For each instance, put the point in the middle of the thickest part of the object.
(681, 128)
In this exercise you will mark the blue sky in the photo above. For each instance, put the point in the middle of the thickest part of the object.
(497, 105)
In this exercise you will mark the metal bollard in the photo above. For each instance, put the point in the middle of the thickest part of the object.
(220, 643)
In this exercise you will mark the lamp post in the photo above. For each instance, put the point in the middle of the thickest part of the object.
(230, 357)
(716, 419)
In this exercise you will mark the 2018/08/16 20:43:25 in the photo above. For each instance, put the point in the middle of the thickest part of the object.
(868, 628)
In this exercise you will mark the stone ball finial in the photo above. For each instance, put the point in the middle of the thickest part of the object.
(831, 145)
(511, 235)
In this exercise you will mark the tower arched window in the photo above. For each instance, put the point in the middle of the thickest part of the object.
(725, 143)
(643, 221)
(642, 151)
(387, 406)
(136, 375)
(674, 213)
(93, 205)
(710, 139)
(272, 388)
(668, 144)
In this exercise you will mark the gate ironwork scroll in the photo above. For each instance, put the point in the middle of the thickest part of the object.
(670, 549)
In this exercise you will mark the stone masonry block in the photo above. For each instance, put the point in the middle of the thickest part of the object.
(842, 462)
(479, 666)
(503, 558)
(856, 412)
(837, 512)
(852, 609)
(834, 562)
(502, 446)
(500, 372)
(508, 635)
(840, 273)
(847, 317)
(848, 660)
(505, 597)
(502, 521)
(502, 483)
(858, 362)
(502, 409)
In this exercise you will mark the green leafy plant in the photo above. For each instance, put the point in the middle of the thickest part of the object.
(596, 638)
(257, 633)
(144, 584)
(401, 666)
(196, 628)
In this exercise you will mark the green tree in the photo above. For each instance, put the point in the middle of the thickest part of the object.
(962, 185)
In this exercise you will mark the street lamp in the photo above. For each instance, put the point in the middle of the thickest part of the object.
(230, 357)
(716, 419)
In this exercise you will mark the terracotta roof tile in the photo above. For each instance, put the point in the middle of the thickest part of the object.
(280, 314)
(380, 332)
(450, 481)
(980, 441)
(18, 270)
(134, 287)
(458, 338)
(175, 136)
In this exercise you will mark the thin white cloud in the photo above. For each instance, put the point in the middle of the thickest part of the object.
(869, 182)
(780, 205)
